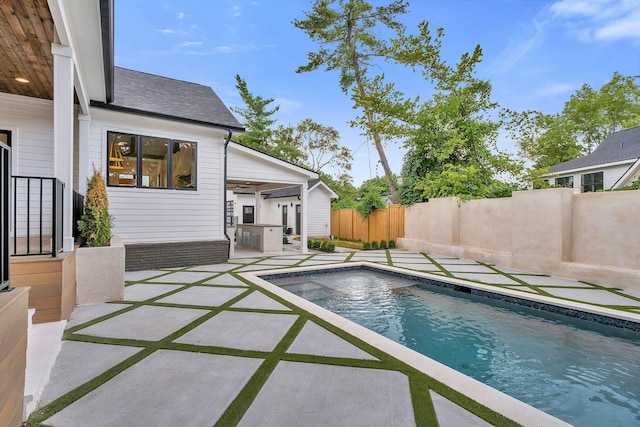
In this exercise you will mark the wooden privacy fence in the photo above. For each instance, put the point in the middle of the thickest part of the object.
(382, 224)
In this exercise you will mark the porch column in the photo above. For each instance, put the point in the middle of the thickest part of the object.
(63, 133)
(258, 219)
(84, 168)
(304, 188)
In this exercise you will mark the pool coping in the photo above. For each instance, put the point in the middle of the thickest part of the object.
(496, 400)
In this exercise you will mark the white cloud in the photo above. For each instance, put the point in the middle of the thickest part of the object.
(599, 20)
(190, 44)
(237, 11)
(167, 31)
(551, 89)
(287, 105)
(519, 48)
(182, 15)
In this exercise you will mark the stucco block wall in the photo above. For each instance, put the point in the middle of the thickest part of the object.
(593, 237)
(486, 224)
(541, 227)
(606, 229)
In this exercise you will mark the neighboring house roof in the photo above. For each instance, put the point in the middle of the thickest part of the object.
(149, 94)
(295, 191)
(616, 147)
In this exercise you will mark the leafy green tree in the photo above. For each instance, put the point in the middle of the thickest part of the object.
(257, 118)
(453, 150)
(287, 146)
(593, 115)
(321, 146)
(349, 38)
(343, 186)
(378, 185)
(369, 203)
(586, 119)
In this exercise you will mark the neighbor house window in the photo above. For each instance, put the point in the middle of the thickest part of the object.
(150, 162)
(592, 181)
(565, 181)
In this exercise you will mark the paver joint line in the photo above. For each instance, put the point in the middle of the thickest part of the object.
(419, 383)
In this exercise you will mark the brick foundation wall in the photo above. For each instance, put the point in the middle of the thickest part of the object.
(143, 256)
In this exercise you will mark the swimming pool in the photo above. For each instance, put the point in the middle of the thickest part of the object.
(583, 372)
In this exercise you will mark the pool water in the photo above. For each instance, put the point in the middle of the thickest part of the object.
(581, 372)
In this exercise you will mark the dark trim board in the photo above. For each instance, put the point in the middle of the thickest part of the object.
(144, 256)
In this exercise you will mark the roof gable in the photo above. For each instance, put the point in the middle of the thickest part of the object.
(145, 93)
(616, 147)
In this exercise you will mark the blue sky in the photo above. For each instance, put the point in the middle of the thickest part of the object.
(536, 53)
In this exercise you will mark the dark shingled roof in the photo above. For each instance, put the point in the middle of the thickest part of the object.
(161, 96)
(616, 147)
(288, 191)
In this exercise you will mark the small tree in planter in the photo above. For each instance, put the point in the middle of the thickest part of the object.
(100, 264)
(96, 223)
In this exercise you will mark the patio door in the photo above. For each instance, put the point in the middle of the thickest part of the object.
(298, 219)
(5, 189)
(285, 218)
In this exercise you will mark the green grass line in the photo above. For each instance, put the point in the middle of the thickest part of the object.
(437, 264)
(236, 410)
(46, 412)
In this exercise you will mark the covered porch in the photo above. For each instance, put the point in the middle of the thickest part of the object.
(251, 173)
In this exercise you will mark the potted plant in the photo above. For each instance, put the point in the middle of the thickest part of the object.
(100, 260)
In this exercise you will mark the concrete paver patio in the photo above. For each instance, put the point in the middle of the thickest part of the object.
(200, 346)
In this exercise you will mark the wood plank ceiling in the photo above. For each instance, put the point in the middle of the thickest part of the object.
(26, 34)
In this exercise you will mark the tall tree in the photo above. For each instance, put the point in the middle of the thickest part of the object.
(593, 114)
(321, 146)
(257, 118)
(587, 118)
(350, 43)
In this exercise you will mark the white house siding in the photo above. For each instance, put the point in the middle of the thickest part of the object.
(30, 121)
(319, 213)
(611, 174)
(258, 167)
(144, 215)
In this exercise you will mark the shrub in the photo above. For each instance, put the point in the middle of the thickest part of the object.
(285, 240)
(331, 246)
(383, 244)
(374, 245)
(95, 224)
(366, 246)
(323, 245)
(310, 243)
(392, 244)
(316, 244)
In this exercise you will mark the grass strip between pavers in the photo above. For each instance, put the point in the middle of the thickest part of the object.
(422, 404)
(236, 410)
(419, 382)
(437, 264)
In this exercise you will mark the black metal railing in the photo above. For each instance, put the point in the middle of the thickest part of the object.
(5, 191)
(78, 211)
(37, 215)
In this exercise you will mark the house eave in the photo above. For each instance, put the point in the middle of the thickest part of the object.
(152, 114)
(586, 168)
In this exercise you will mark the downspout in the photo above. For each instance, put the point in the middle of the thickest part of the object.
(224, 206)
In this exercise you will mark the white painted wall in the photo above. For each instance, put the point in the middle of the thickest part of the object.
(319, 212)
(30, 121)
(145, 215)
(248, 165)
